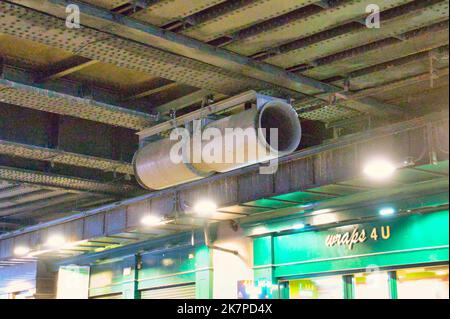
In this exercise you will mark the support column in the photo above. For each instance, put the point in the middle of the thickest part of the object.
(392, 275)
(204, 273)
(130, 287)
(349, 287)
(263, 261)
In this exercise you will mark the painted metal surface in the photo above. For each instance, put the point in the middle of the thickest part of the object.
(59, 103)
(231, 188)
(61, 157)
(409, 243)
(303, 27)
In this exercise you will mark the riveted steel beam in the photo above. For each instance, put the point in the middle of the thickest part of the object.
(167, 12)
(64, 68)
(151, 91)
(342, 66)
(244, 186)
(54, 181)
(269, 35)
(316, 109)
(125, 42)
(213, 72)
(396, 62)
(29, 196)
(16, 223)
(380, 44)
(62, 157)
(13, 210)
(183, 101)
(273, 23)
(396, 21)
(61, 204)
(233, 15)
(244, 70)
(32, 97)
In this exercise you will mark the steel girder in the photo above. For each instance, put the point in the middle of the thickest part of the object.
(106, 46)
(396, 21)
(288, 29)
(62, 157)
(32, 97)
(220, 70)
(54, 181)
(328, 164)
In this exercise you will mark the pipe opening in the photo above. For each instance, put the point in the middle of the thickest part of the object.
(280, 116)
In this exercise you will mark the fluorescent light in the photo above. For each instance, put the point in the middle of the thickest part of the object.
(299, 226)
(21, 251)
(379, 169)
(205, 208)
(152, 220)
(55, 241)
(387, 211)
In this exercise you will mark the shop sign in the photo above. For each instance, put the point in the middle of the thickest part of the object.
(358, 236)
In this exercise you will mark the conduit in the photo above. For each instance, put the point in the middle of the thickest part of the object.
(155, 170)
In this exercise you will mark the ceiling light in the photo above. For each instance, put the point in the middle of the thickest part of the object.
(299, 226)
(152, 220)
(205, 208)
(387, 211)
(21, 251)
(55, 241)
(379, 169)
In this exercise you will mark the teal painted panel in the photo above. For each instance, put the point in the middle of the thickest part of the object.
(169, 280)
(169, 268)
(262, 250)
(307, 252)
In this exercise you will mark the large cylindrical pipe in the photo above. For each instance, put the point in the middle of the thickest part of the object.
(246, 138)
(154, 168)
(249, 137)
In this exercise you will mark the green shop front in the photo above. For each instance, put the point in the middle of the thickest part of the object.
(388, 257)
(182, 272)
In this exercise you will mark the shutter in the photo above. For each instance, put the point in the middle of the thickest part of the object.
(110, 296)
(174, 292)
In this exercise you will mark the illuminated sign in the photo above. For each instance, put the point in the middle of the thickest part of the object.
(357, 236)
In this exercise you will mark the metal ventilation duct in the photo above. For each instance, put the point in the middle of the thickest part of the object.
(253, 140)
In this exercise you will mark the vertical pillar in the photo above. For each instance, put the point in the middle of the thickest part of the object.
(392, 275)
(263, 261)
(204, 273)
(130, 289)
(73, 282)
(349, 287)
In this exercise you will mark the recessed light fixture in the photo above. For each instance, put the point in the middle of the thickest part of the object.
(299, 226)
(55, 241)
(379, 169)
(152, 220)
(205, 208)
(21, 250)
(387, 211)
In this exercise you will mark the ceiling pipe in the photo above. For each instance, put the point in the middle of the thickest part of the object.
(243, 139)
(211, 246)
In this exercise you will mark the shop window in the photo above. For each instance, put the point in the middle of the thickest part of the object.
(317, 288)
(373, 285)
(423, 283)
